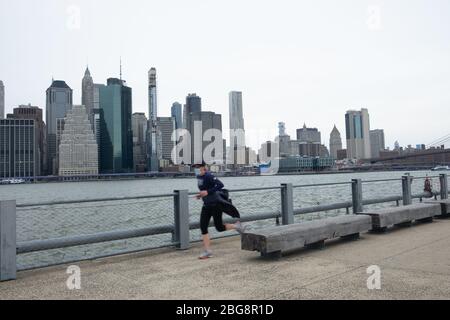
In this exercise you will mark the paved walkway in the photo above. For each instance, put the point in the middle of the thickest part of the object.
(415, 264)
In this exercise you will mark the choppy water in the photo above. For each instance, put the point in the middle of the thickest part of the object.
(47, 222)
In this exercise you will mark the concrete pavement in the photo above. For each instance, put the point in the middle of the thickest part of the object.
(414, 262)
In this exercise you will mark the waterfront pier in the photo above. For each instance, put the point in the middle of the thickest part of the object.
(413, 260)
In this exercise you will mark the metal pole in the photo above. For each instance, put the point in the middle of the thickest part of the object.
(8, 265)
(444, 186)
(287, 203)
(406, 188)
(181, 219)
(357, 198)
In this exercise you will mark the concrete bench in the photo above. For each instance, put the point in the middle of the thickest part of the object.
(445, 207)
(402, 216)
(274, 240)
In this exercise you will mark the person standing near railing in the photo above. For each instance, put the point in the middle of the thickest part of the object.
(215, 202)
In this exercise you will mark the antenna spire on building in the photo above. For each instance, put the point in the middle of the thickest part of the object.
(120, 68)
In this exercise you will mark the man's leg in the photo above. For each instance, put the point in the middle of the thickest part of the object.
(205, 217)
(218, 221)
(232, 211)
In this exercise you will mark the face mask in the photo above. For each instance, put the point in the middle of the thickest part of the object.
(197, 171)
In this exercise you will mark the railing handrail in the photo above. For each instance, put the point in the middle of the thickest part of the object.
(152, 196)
(166, 195)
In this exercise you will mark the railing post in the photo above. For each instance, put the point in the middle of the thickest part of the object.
(357, 198)
(181, 219)
(8, 245)
(406, 189)
(287, 203)
(444, 186)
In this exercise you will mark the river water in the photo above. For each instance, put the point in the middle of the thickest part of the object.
(58, 221)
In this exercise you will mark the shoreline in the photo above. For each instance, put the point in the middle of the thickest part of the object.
(221, 175)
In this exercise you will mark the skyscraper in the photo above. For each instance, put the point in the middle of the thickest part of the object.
(78, 152)
(140, 123)
(177, 113)
(284, 141)
(236, 116)
(309, 135)
(36, 114)
(193, 104)
(152, 95)
(59, 101)
(166, 127)
(377, 142)
(87, 94)
(152, 135)
(205, 121)
(335, 142)
(2, 100)
(116, 142)
(19, 150)
(357, 125)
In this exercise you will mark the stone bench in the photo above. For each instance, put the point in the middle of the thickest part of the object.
(445, 207)
(273, 241)
(402, 216)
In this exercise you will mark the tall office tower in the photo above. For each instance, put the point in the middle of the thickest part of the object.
(166, 127)
(236, 116)
(2, 100)
(357, 125)
(377, 142)
(177, 113)
(140, 123)
(78, 151)
(311, 135)
(19, 156)
(97, 87)
(59, 101)
(335, 142)
(152, 95)
(284, 141)
(97, 116)
(281, 128)
(152, 130)
(36, 114)
(203, 121)
(87, 94)
(116, 142)
(193, 104)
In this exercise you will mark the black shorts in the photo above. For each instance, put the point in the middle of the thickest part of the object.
(215, 211)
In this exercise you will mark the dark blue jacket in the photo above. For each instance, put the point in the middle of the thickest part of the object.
(210, 183)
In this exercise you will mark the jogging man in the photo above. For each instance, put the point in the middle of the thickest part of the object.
(214, 204)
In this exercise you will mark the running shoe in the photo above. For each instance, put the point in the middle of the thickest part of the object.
(240, 227)
(206, 255)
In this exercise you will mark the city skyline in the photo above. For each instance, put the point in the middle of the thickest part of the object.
(314, 76)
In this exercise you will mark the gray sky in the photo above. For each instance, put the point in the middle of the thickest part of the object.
(295, 61)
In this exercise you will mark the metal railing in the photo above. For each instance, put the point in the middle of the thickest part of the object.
(278, 202)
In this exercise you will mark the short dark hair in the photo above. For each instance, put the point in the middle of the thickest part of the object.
(199, 165)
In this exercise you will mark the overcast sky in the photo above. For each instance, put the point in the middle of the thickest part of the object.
(295, 61)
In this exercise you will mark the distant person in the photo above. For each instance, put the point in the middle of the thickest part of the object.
(428, 187)
(215, 202)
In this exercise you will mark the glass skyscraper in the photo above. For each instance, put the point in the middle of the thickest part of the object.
(116, 137)
(357, 125)
(177, 113)
(59, 101)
